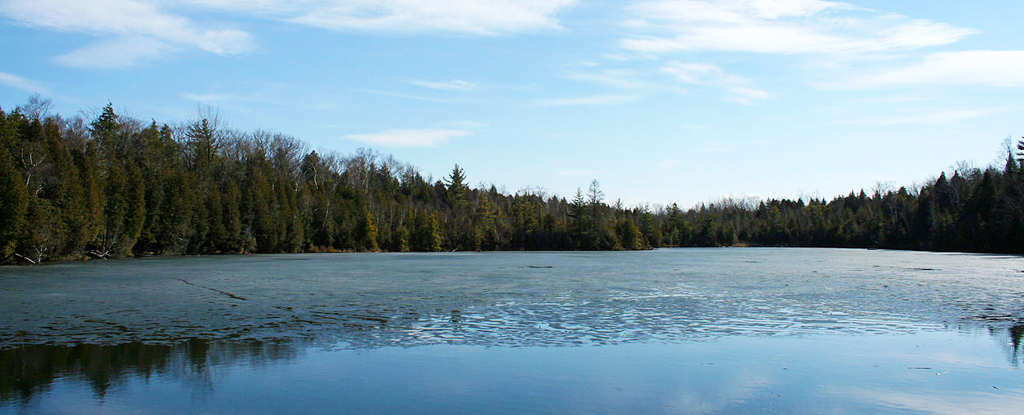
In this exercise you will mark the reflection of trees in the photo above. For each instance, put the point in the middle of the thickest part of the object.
(1015, 352)
(30, 370)
(1011, 340)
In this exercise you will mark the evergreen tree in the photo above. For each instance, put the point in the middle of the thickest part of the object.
(367, 233)
(628, 235)
(119, 186)
(88, 167)
(43, 233)
(580, 223)
(457, 189)
(232, 219)
(400, 240)
(13, 204)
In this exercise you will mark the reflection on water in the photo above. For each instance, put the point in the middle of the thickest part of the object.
(1014, 350)
(26, 373)
(927, 372)
(30, 370)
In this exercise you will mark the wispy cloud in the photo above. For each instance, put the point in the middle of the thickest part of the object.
(934, 117)
(779, 27)
(464, 125)
(129, 30)
(588, 100)
(116, 53)
(409, 16)
(208, 97)
(667, 165)
(735, 87)
(694, 73)
(744, 95)
(617, 77)
(425, 137)
(401, 95)
(23, 84)
(406, 16)
(947, 403)
(972, 67)
(455, 84)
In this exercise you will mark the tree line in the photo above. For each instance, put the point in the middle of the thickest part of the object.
(116, 186)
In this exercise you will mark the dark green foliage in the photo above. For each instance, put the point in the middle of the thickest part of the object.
(13, 203)
(116, 186)
(457, 190)
(91, 210)
(43, 233)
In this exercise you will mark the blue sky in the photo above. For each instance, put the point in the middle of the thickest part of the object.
(660, 101)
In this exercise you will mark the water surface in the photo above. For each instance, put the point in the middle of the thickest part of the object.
(667, 331)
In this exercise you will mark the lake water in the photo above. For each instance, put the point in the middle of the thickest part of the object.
(667, 331)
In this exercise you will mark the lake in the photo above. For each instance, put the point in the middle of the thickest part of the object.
(706, 331)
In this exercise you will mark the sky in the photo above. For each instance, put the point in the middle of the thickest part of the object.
(660, 101)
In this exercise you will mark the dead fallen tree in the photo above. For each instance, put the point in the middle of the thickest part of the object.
(99, 255)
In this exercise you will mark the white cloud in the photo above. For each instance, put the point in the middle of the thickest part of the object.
(409, 16)
(972, 67)
(401, 95)
(618, 78)
(455, 84)
(115, 53)
(588, 100)
(130, 30)
(780, 27)
(947, 403)
(464, 125)
(99, 16)
(745, 96)
(270, 7)
(23, 84)
(693, 73)
(207, 97)
(734, 86)
(426, 137)
(667, 165)
(936, 117)
(165, 25)
(406, 16)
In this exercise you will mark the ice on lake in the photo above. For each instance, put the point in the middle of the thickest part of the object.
(666, 331)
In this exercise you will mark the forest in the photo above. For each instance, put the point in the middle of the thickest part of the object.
(116, 186)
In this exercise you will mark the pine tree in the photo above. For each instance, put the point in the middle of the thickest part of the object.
(115, 211)
(628, 235)
(88, 167)
(13, 204)
(232, 220)
(43, 233)
(65, 192)
(135, 216)
(400, 240)
(579, 224)
(106, 130)
(486, 223)
(433, 234)
(367, 234)
(457, 190)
